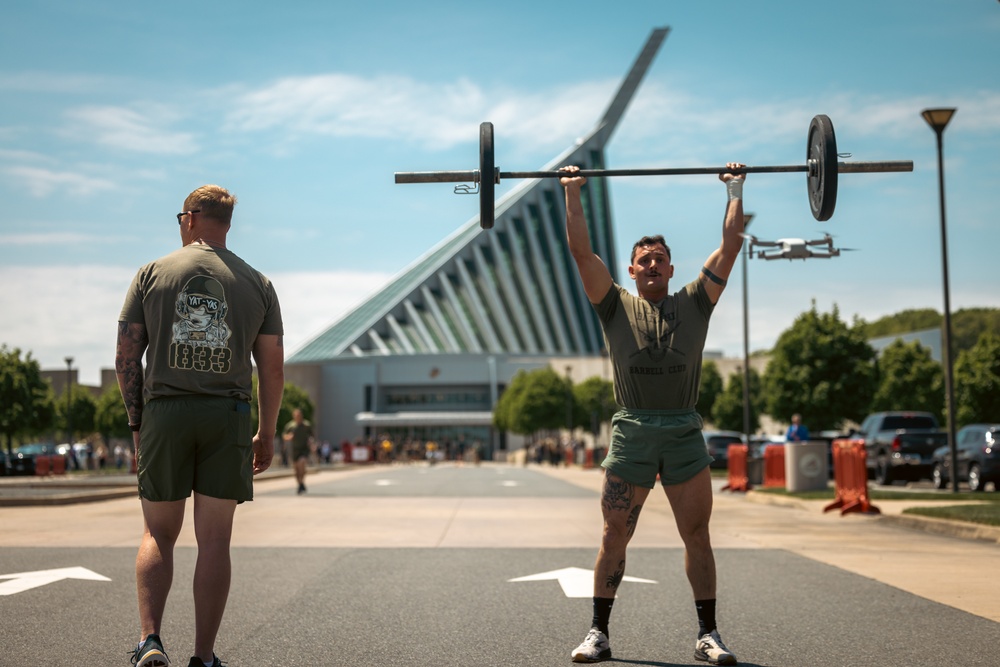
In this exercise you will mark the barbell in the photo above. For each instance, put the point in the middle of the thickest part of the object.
(822, 168)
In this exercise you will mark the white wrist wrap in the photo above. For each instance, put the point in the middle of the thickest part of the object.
(735, 189)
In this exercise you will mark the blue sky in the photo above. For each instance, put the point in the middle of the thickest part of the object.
(112, 112)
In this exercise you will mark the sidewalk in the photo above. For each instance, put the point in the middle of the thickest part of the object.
(891, 511)
(31, 491)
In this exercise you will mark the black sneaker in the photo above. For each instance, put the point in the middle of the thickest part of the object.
(151, 653)
(302, 488)
(197, 662)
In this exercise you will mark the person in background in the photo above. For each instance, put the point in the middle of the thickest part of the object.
(797, 432)
(298, 434)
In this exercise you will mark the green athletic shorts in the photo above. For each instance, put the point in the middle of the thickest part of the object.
(647, 443)
(195, 443)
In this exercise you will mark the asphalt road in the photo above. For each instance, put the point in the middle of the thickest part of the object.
(414, 565)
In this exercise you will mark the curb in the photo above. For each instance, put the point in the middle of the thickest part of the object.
(945, 527)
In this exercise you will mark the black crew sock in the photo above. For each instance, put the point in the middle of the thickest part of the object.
(602, 614)
(706, 616)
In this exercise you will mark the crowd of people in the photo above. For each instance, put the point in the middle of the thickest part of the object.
(387, 448)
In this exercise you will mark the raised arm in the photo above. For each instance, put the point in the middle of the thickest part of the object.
(269, 353)
(720, 263)
(593, 272)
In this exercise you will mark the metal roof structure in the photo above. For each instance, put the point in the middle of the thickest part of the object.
(509, 290)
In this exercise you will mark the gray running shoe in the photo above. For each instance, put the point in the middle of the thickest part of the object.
(151, 654)
(711, 649)
(595, 647)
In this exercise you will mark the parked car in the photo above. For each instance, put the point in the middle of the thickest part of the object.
(898, 445)
(22, 459)
(759, 442)
(978, 458)
(718, 445)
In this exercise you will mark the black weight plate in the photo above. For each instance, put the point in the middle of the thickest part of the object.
(487, 175)
(821, 149)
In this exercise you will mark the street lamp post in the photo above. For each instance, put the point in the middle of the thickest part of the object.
(938, 119)
(69, 401)
(747, 217)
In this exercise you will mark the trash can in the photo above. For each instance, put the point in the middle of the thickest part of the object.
(806, 466)
(755, 470)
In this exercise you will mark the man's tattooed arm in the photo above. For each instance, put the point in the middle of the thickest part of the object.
(132, 343)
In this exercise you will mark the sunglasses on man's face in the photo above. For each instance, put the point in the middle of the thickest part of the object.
(183, 213)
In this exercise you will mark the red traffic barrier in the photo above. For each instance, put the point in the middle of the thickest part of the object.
(739, 478)
(42, 465)
(58, 465)
(588, 458)
(850, 478)
(774, 466)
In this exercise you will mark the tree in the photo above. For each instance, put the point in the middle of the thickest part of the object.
(909, 379)
(78, 412)
(977, 382)
(534, 400)
(711, 388)
(821, 369)
(595, 401)
(25, 398)
(902, 322)
(293, 396)
(969, 324)
(727, 414)
(111, 418)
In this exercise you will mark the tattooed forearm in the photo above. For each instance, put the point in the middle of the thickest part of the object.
(617, 494)
(633, 519)
(612, 582)
(132, 343)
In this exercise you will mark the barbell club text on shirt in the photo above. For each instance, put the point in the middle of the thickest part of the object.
(656, 370)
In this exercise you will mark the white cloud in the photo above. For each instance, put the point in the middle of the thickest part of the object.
(131, 130)
(43, 182)
(47, 239)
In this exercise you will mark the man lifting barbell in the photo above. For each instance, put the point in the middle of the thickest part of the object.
(656, 341)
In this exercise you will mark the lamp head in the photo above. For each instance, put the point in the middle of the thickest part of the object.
(938, 118)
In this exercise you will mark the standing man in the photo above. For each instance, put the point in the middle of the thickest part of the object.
(198, 314)
(298, 435)
(797, 432)
(655, 340)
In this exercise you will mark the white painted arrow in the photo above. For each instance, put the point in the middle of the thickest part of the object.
(575, 581)
(23, 581)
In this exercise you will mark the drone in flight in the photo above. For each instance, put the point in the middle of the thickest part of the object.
(794, 248)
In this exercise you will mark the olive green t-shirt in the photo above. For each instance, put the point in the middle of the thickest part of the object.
(656, 349)
(203, 309)
(300, 435)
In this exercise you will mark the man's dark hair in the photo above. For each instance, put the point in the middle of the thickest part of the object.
(647, 241)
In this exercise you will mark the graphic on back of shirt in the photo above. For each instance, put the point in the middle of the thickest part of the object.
(200, 333)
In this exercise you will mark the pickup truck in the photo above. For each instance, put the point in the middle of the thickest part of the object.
(899, 445)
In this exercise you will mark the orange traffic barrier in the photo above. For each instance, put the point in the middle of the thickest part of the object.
(774, 466)
(41, 465)
(588, 458)
(739, 478)
(58, 465)
(850, 478)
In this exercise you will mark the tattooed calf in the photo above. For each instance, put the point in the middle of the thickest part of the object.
(612, 582)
